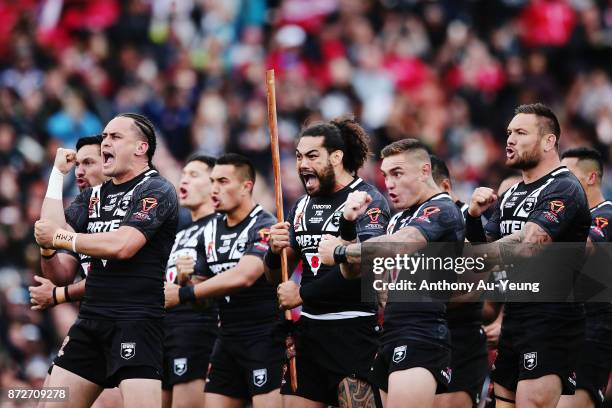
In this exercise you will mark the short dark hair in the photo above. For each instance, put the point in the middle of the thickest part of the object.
(240, 162)
(207, 160)
(586, 153)
(146, 128)
(548, 122)
(439, 171)
(345, 134)
(88, 140)
(404, 145)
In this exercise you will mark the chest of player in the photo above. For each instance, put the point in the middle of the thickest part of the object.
(224, 246)
(517, 205)
(312, 222)
(107, 209)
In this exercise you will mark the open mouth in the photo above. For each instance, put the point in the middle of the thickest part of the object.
(510, 153)
(182, 193)
(393, 197)
(82, 183)
(108, 159)
(215, 201)
(310, 179)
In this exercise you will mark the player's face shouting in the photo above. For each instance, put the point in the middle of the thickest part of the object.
(313, 166)
(120, 144)
(229, 187)
(524, 143)
(88, 167)
(403, 179)
(194, 187)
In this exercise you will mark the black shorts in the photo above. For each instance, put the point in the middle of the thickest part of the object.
(329, 351)
(595, 360)
(244, 367)
(187, 350)
(107, 352)
(532, 346)
(405, 354)
(469, 361)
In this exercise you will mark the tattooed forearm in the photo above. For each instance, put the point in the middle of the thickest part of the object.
(355, 393)
(353, 253)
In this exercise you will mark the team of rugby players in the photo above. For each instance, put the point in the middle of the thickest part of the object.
(220, 330)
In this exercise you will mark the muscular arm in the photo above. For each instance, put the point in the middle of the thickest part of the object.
(121, 244)
(410, 236)
(243, 275)
(274, 275)
(60, 269)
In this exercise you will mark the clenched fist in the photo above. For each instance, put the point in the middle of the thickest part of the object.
(185, 265)
(482, 199)
(64, 160)
(279, 237)
(44, 231)
(356, 204)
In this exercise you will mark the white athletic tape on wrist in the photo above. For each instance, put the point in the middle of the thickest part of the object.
(56, 184)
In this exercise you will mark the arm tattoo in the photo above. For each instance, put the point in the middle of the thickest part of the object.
(353, 253)
(355, 393)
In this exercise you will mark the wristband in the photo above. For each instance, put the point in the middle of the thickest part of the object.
(66, 294)
(60, 296)
(187, 294)
(348, 229)
(56, 184)
(47, 253)
(54, 295)
(63, 239)
(272, 260)
(340, 254)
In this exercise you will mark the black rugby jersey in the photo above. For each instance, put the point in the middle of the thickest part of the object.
(439, 220)
(557, 203)
(252, 310)
(311, 218)
(187, 242)
(130, 289)
(601, 216)
(468, 313)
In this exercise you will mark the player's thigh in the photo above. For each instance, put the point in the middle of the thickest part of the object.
(110, 398)
(503, 396)
(291, 401)
(543, 392)
(414, 387)
(383, 397)
(355, 393)
(82, 393)
(457, 399)
(581, 399)
(141, 392)
(271, 399)
(222, 401)
(166, 398)
(189, 394)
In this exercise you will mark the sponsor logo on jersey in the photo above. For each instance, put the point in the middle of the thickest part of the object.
(180, 366)
(399, 354)
(128, 350)
(530, 360)
(260, 377)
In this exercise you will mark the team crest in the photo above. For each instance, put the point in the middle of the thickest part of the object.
(180, 366)
(399, 354)
(128, 350)
(530, 360)
(374, 213)
(529, 204)
(336, 219)
(260, 377)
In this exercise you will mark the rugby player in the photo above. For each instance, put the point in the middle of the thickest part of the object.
(413, 361)
(536, 360)
(336, 336)
(469, 364)
(127, 226)
(246, 360)
(190, 332)
(595, 359)
(60, 267)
